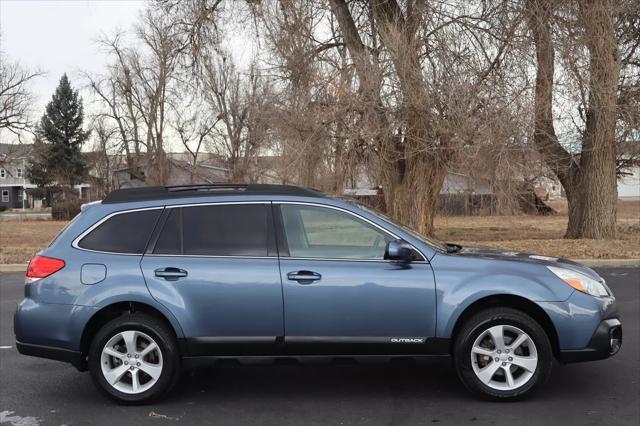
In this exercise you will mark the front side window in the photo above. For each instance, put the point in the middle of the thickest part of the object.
(5, 195)
(320, 232)
(126, 233)
(3, 173)
(216, 230)
(432, 243)
(19, 173)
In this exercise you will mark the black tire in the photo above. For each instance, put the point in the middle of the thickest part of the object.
(160, 333)
(478, 324)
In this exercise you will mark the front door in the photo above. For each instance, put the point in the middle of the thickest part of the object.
(215, 267)
(340, 295)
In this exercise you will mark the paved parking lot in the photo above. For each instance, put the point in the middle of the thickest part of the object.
(41, 392)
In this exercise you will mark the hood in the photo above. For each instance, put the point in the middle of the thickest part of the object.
(516, 256)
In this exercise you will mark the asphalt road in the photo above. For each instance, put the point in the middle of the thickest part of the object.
(40, 392)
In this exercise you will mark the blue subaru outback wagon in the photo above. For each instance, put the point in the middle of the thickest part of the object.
(153, 280)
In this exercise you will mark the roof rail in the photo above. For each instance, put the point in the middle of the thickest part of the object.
(208, 187)
(149, 193)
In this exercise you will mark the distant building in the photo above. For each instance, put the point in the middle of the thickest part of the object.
(13, 181)
(629, 183)
(456, 183)
(180, 171)
(14, 184)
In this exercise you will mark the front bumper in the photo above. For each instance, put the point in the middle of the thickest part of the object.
(605, 342)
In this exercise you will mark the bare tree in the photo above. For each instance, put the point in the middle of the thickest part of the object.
(628, 125)
(402, 91)
(140, 88)
(115, 91)
(238, 100)
(101, 161)
(588, 176)
(194, 123)
(15, 97)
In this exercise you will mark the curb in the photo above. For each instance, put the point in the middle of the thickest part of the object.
(593, 263)
(13, 267)
(611, 263)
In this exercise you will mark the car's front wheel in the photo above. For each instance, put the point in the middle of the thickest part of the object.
(502, 353)
(134, 359)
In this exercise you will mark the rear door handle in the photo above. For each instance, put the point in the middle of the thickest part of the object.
(304, 277)
(170, 274)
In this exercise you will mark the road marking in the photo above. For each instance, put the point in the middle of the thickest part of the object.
(6, 347)
(8, 417)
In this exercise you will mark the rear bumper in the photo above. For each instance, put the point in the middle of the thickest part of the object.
(72, 357)
(605, 342)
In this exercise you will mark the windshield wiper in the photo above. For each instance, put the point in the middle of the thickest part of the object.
(452, 247)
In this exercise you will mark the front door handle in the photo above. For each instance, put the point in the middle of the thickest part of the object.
(304, 277)
(170, 274)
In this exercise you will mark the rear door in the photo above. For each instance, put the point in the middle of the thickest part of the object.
(340, 295)
(216, 268)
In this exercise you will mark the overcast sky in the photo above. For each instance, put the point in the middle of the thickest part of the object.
(59, 36)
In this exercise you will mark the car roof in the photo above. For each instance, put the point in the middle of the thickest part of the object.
(150, 193)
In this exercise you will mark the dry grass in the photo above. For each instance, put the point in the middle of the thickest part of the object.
(543, 234)
(539, 234)
(20, 240)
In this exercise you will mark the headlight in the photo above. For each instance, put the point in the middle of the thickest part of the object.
(580, 281)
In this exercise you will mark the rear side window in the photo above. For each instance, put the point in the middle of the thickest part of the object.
(123, 233)
(223, 230)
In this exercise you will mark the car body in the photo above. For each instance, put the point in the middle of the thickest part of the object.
(270, 270)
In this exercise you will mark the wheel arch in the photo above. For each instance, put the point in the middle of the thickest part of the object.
(510, 301)
(114, 310)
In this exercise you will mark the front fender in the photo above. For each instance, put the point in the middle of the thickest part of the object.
(461, 281)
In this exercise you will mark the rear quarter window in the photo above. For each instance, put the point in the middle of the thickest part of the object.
(122, 233)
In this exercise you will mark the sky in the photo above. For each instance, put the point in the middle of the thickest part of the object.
(60, 36)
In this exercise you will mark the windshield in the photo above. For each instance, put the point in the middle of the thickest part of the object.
(432, 243)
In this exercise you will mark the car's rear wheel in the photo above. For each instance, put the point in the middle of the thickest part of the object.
(502, 353)
(134, 359)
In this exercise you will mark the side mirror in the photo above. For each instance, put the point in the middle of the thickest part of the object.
(398, 250)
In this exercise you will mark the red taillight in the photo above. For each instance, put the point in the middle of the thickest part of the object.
(42, 266)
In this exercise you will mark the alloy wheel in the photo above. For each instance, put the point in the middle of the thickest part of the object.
(504, 357)
(131, 362)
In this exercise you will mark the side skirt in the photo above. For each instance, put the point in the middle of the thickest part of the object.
(205, 350)
(191, 362)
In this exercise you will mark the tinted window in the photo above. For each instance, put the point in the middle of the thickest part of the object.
(123, 233)
(170, 239)
(224, 230)
(328, 233)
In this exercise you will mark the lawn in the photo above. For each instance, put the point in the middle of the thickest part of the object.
(543, 234)
(539, 234)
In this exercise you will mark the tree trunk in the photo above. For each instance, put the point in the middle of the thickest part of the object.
(414, 200)
(574, 211)
(598, 182)
(589, 179)
(339, 161)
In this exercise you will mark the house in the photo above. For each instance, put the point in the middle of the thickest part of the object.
(629, 182)
(13, 182)
(456, 183)
(180, 171)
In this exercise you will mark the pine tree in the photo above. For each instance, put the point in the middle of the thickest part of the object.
(61, 129)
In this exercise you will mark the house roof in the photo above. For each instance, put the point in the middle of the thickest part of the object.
(10, 151)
